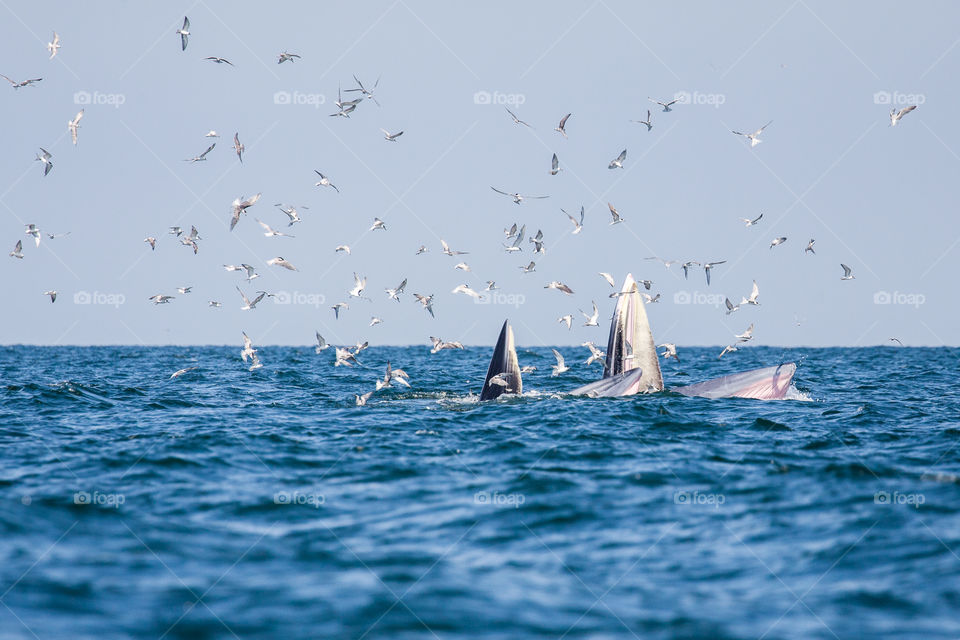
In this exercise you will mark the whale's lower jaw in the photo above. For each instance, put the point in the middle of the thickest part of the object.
(504, 366)
(769, 383)
(627, 383)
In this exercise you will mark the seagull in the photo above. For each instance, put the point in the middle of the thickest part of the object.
(177, 374)
(325, 182)
(336, 308)
(491, 286)
(896, 115)
(555, 166)
(32, 230)
(240, 206)
(560, 367)
(184, 33)
(529, 268)
(359, 284)
(501, 379)
(568, 319)
(391, 137)
(160, 299)
(17, 250)
(219, 60)
(810, 247)
(746, 336)
(449, 252)
(344, 356)
(647, 121)
(754, 294)
(175, 231)
(53, 295)
(708, 266)
(440, 345)
(54, 46)
(271, 232)
(203, 156)
(191, 240)
(608, 278)
(280, 262)
(670, 351)
(321, 343)
(211, 134)
(375, 320)
(730, 306)
(426, 301)
(284, 56)
(897, 340)
(391, 375)
(591, 319)
(754, 137)
(577, 226)
(361, 400)
(595, 354)
(777, 241)
(517, 198)
(559, 286)
(649, 298)
(378, 224)
(184, 290)
(665, 105)
(214, 303)
(728, 349)
(517, 120)
(44, 157)
(248, 349)
(394, 293)
(749, 223)
(686, 265)
(239, 148)
(517, 240)
(292, 213)
(646, 284)
(366, 92)
(247, 305)
(847, 272)
(22, 83)
(562, 127)
(512, 231)
(74, 124)
(342, 247)
(152, 242)
(462, 266)
(54, 236)
(537, 241)
(617, 163)
(251, 273)
(526, 369)
(256, 363)
(462, 288)
(615, 214)
(421, 249)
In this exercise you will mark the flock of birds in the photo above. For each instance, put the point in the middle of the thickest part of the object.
(513, 243)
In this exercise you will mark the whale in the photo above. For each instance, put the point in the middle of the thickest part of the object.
(503, 374)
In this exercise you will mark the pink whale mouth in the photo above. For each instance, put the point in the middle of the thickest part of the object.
(769, 383)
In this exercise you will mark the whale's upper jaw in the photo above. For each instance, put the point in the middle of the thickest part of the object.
(503, 363)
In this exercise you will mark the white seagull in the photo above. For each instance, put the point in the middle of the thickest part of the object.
(184, 33)
(754, 137)
(74, 124)
(617, 163)
(560, 367)
(847, 272)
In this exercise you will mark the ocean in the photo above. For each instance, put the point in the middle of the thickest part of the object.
(227, 503)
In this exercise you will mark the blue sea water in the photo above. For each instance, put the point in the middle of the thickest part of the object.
(234, 504)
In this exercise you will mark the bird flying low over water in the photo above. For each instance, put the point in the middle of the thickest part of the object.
(561, 366)
(440, 345)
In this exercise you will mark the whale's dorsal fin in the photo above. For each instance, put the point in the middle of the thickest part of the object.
(630, 345)
(504, 367)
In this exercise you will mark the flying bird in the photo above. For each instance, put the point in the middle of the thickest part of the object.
(560, 367)
(184, 33)
(591, 319)
(203, 156)
(646, 122)
(847, 272)
(21, 83)
(730, 306)
(754, 137)
(291, 213)
(670, 351)
(686, 266)
(749, 223)
(17, 250)
(247, 304)
(73, 125)
(609, 278)
(32, 230)
(391, 137)
(517, 198)
(367, 93)
(810, 247)
(567, 319)
(325, 182)
(237, 146)
(595, 354)
(45, 157)
(345, 248)
(562, 127)
(54, 46)
(754, 294)
(280, 262)
(577, 226)
(321, 343)
(665, 105)
(440, 345)
(378, 224)
(52, 294)
(708, 266)
(777, 241)
(394, 294)
(241, 206)
(529, 268)
(219, 60)
(462, 288)
(160, 299)
(450, 252)
(426, 301)
(270, 232)
(359, 284)
(152, 242)
(337, 307)
(614, 214)
(284, 56)
(177, 374)
(559, 286)
(517, 120)
(617, 163)
(555, 166)
(896, 115)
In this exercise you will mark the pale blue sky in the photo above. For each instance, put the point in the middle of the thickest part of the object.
(879, 199)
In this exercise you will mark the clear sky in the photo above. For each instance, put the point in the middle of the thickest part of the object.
(878, 198)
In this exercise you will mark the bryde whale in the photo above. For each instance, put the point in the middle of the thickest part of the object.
(632, 365)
